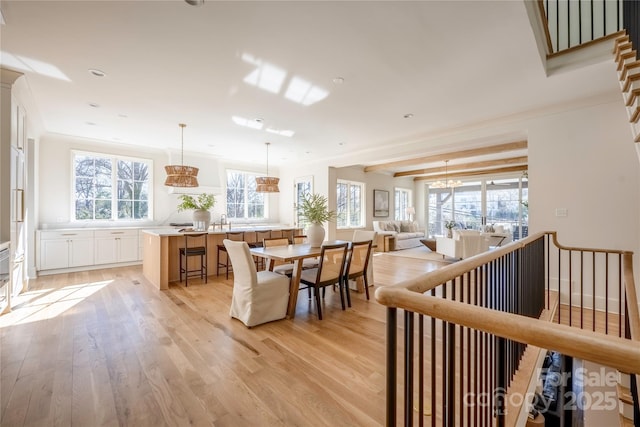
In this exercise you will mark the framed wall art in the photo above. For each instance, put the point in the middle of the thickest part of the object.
(380, 203)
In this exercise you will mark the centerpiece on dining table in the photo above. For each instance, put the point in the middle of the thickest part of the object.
(314, 209)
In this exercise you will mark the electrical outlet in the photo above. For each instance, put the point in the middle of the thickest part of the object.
(561, 212)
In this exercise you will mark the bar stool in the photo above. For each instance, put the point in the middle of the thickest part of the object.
(237, 236)
(258, 243)
(288, 233)
(192, 251)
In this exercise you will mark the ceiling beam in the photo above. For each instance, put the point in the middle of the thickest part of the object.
(473, 173)
(466, 166)
(482, 151)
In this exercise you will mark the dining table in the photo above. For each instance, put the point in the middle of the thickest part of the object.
(295, 253)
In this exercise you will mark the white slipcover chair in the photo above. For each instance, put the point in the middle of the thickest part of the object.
(258, 296)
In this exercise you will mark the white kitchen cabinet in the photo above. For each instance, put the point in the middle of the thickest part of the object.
(114, 246)
(65, 249)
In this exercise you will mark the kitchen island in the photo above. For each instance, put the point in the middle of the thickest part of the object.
(161, 250)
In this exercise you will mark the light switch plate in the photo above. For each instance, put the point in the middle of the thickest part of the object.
(561, 212)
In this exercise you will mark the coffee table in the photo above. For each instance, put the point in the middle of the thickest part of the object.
(430, 243)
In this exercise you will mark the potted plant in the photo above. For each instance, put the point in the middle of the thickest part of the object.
(449, 226)
(314, 209)
(200, 205)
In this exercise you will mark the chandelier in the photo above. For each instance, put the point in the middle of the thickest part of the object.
(448, 183)
(181, 175)
(267, 184)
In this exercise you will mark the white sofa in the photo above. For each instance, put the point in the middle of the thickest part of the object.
(394, 235)
(464, 244)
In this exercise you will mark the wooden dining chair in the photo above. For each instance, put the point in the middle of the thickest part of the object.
(279, 267)
(330, 271)
(359, 255)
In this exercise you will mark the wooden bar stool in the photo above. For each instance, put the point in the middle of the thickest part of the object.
(186, 252)
(261, 235)
(237, 236)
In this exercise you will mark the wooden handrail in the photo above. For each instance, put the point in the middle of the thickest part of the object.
(612, 351)
(632, 298)
(432, 279)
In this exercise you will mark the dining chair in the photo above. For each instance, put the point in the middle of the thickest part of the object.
(194, 251)
(330, 271)
(279, 267)
(258, 296)
(237, 236)
(359, 256)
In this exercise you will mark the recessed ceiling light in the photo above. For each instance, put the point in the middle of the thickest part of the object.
(338, 80)
(90, 123)
(124, 116)
(408, 116)
(96, 72)
(94, 105)
(341, 143)
(195, 2)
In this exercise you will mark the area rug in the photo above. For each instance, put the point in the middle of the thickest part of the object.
(421, 252)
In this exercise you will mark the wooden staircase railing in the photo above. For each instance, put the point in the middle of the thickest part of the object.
(477, 317)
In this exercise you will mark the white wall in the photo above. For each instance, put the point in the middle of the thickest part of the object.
(584, 160)
(55, 187)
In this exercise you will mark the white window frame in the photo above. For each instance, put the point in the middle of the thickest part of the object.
(400, 209)
(265, 199)
(363, 201)
(114, 186)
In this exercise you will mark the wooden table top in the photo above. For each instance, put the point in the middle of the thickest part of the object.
(292, 252)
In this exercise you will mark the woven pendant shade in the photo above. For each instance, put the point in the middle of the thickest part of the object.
(181, 175)
(267, 184)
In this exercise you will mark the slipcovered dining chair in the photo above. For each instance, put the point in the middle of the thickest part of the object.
(330, 271)
(258, 296)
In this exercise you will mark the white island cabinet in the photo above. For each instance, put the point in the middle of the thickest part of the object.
(115, 246)
(65, 249)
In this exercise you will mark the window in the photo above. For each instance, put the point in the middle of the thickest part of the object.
(111, 187)
(302, 186)
(402, 202)
(350, 202)
(480, 204)
(242, 200)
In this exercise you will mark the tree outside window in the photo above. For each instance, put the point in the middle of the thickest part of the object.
(243, 202)
(402, 202)
(111, 188)
(350, 202)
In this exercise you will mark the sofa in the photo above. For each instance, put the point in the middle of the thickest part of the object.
(394, 235)
(464, 244)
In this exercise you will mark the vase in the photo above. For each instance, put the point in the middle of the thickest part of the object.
(201, 219)
(449, 233)
(315, 235)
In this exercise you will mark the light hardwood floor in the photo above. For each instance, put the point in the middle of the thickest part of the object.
(104, 347)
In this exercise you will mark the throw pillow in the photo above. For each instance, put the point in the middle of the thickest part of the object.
(413, 227)
(389, 226)
(405, 227)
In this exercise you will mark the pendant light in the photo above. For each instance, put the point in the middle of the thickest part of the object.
(267, 184)
(181, 175)
(448, 183)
